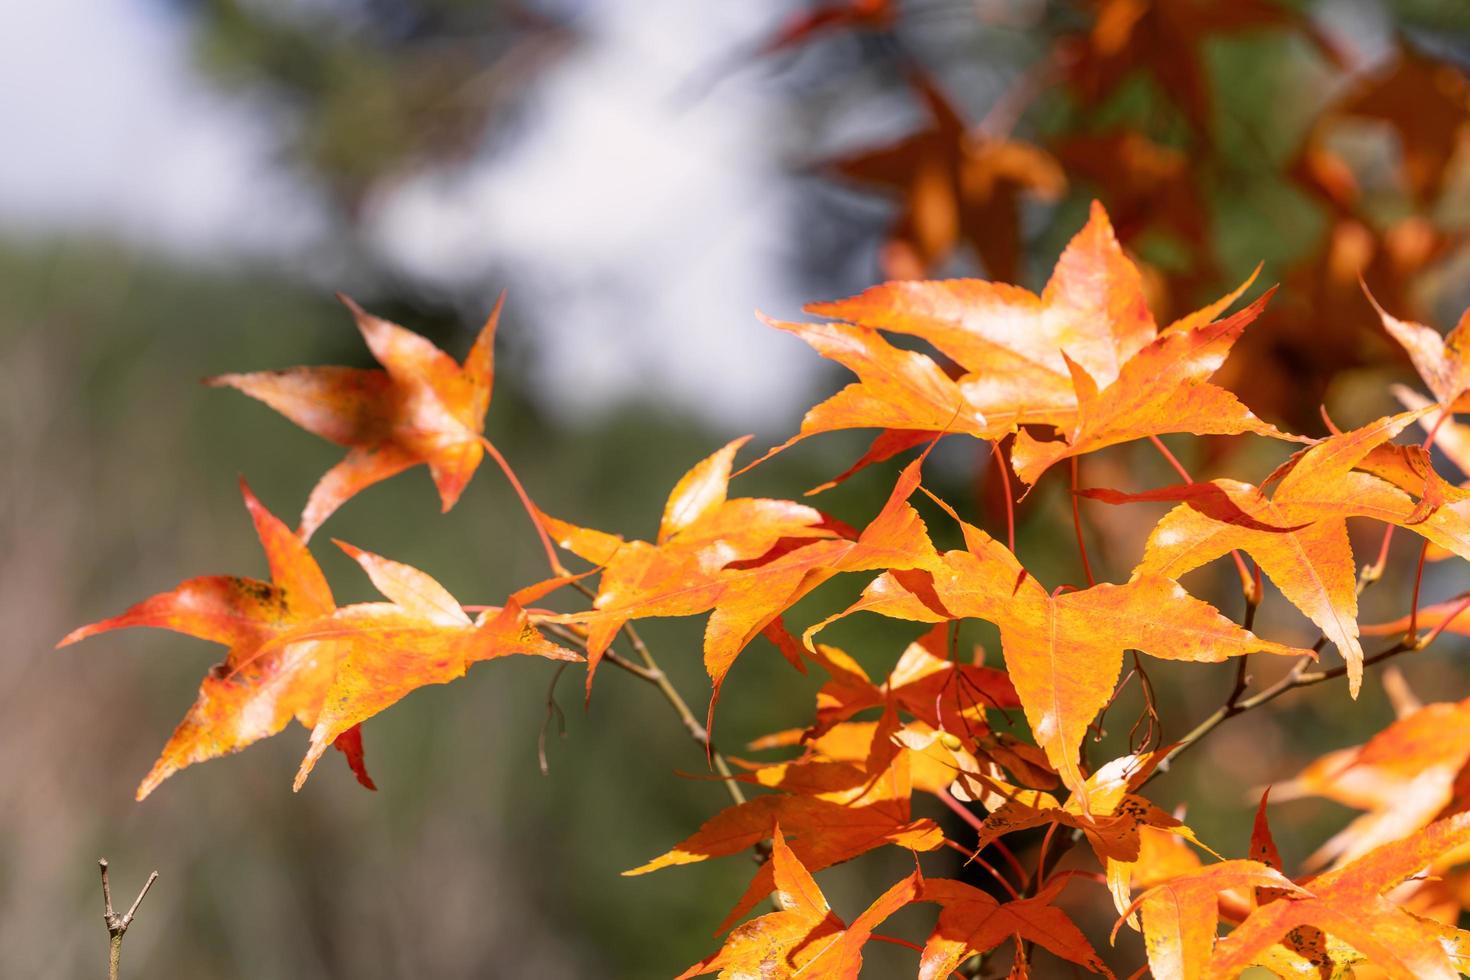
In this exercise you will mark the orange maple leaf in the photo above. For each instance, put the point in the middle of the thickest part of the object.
(1404, 777)
(260, 686)
(1443, 361)
(385, 650)
(681, 572)
(295, 654)
(834, 820)
(1085, 357)
(943, 693)
(804, 938)
(972, 922)
(746, 597)
(1298, 535)
(421, 407)
(956, 184)
(1348, 903)
(1063, 652)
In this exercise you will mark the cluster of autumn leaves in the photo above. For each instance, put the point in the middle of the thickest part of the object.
(1128, 110)
(1083, 361)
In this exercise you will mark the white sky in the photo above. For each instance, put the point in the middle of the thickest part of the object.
(637, 234)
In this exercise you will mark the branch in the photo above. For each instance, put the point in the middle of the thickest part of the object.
(117, 925)
(1297, 677)
(653, 674)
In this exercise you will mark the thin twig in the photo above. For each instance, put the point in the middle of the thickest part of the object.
(1295, 678)
(553, 710)
(653, 674)
(117, 925)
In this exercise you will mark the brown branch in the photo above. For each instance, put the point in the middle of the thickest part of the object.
(117, 925)
(1297, 677)
(653, 674)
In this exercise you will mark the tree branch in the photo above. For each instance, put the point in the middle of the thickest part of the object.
(117, 925)
(651, 673)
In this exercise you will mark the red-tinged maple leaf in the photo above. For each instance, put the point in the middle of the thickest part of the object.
(972, 922)
(1443, 361)
(1349, 904)
(1410, 468)
(1297, 535)
(261, 685)
(1166, 39)
(1404, 777)
(385, 650)
(805, 938)
(943, 693)
(681, 572)
(1085, 357)
(823, 832)
(956, 185)
(1427, 102)
(421, 407)
(1063, 652)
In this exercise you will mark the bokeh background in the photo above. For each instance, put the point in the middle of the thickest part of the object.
(185, 184)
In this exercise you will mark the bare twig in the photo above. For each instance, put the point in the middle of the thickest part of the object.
(117, 925)
(653, 674)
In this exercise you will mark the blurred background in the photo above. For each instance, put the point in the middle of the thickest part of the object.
(186, 183)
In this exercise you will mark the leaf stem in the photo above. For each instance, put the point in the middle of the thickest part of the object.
(1077, 525)
(531, 511)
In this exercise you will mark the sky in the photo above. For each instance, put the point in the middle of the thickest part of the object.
(636, 231)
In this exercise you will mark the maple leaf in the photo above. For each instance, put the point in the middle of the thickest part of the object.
(261, 685)
(1181, 916)
(1063, 652)
(1348, 903)
(1427, 102)
(1442, 361)
(1106, 809)
(1161, 389)
(1451, 616)
(824, 831)
(956, 185)
(744, 597)
(1085, 357)
(805, 937)
(421, 407)
(1404, 777)
(385, 650)
(972, 922)
(932, 688)
(1165, 38)
(1298, 535)
(937, 760)
(682, 572)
